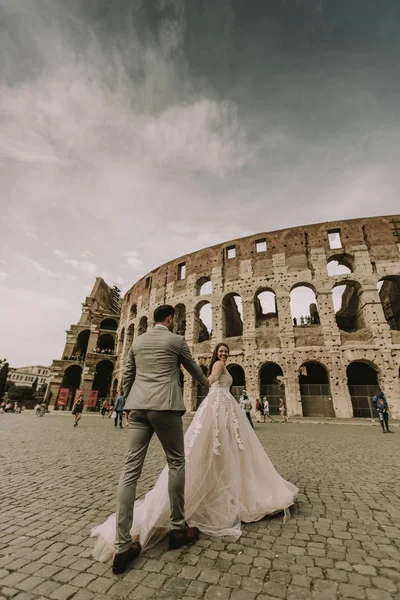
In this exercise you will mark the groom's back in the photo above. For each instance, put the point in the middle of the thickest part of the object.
(155, 361)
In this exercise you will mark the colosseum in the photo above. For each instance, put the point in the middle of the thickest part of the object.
(311, 314)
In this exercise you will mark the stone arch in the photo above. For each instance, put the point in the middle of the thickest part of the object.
(315, 390)
(340, 264)
(133, 311)
(129, 337)
(121, 340)
(81, 344)
(180, 319)
(389, 294)
(106, 343)
(102, 378)
(143, 324)
(265, 307)
(271, 385)
(115, 388)
(203, 322)
(346, 297)
(109, 324)
(232, 315)
(201, 392)
(363, 384)
(239, 379)
(71, 380)
(204, 286)
(303, 304)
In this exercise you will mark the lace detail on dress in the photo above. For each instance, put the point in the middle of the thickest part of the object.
(215, 406)
(196, 428)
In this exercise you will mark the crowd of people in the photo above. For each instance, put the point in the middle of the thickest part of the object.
(11, 407)
(81, 357)
(262, 409)
(307, 320)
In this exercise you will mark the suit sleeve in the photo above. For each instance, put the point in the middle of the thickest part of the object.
(191, 366)
(129, 373)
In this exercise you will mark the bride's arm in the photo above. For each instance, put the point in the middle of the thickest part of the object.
(217, 370)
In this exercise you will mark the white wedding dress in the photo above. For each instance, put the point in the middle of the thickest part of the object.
(229, 479)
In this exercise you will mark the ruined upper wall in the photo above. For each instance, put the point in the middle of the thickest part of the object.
(380, 235)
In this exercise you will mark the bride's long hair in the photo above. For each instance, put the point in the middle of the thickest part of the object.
(214, 357)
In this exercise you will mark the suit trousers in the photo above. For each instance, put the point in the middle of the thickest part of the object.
(167, 425)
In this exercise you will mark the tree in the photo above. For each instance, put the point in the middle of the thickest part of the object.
(21, 393)
(3, 378)
(35, 384)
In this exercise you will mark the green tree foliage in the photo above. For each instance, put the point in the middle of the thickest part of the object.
(21, 393)
(3, 378)
(35, 384)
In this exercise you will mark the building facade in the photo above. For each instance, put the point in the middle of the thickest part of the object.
(28, 375)
(311, 314)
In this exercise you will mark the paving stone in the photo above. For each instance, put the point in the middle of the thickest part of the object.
(348, 590)
(216, 592)
(64, 592)
(29, 583)
(196, 589)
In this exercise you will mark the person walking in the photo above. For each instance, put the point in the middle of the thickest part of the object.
(282, 410)
(259, 411)
(266, 410)
(119, 410)
(77, 408)
(153, 393)
(246, 406)
(382, 408)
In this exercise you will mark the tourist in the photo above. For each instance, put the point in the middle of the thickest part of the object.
(105, 407)
(43, 409)
(266, 410)
(294, 322)
(258, 414)
(77, 408)
(229, 477)
(119, 410)
(246, 406)
(282, 410)
(382, 408)
(111, 409)
(37, 409)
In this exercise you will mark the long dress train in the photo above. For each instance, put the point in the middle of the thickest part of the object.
(229, 479)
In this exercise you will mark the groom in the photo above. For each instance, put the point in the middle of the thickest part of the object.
(154, 398)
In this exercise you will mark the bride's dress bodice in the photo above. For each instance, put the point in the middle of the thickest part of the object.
(225, 381)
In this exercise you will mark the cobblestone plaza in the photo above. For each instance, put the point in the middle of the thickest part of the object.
(58, 482)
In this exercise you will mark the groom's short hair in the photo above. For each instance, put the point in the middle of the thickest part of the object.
(162, 312)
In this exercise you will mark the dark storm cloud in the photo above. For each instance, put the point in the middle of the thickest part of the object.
(128, 122)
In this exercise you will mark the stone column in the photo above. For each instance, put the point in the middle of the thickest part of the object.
(341, 398)
(285, 321)
(327, 318)
(292, 392)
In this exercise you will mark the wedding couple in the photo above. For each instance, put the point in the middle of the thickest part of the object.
(217, 475)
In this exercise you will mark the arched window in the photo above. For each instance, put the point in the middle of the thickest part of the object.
(232, 316)
(115, 388)
(142, 326)
(180, 319)
(72, 381)
(121, 341)
(239, 380)
(347, 306)
(204, 286)
(389, 293)
(316, 397)
(102, 378)
(266, 310)
(272, 386)
(340, 264)
(133, 311)
(81, 344)
(105, 343)
(362, 381)
(203, 322)
(129, 337)
(109, 324)
(303, 305)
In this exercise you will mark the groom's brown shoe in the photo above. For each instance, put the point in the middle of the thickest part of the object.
(183, 537)
(122, 560)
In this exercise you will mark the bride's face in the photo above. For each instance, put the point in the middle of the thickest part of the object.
(223, 353)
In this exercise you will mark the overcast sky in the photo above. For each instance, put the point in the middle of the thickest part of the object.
(132, 132)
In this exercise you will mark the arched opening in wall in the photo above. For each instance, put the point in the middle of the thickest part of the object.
(362, 381)
(72, 381)
(315, 390)
(102, 379)
(340, 264)
(115, 388)
(232, 316)
(272, 386)
(266, 309)
(81, 345)
(109, 324)
(201, 391)
(303, 305)
(121, 341)
(133, 311)
(142, 326)
(105, 343)
(347, 306)
(180, 319)
(203, 286)
(239, 380)
(129, 337)
(203, 322)
(389, 293)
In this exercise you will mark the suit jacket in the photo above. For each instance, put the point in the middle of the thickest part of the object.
(151, 374)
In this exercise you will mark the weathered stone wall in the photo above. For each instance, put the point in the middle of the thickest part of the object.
(293, 257)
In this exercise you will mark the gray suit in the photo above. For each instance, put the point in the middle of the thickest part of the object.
(154, 398)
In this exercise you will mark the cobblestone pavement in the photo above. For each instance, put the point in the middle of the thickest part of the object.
(57, 482)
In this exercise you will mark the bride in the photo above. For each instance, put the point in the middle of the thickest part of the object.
(229, 477)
